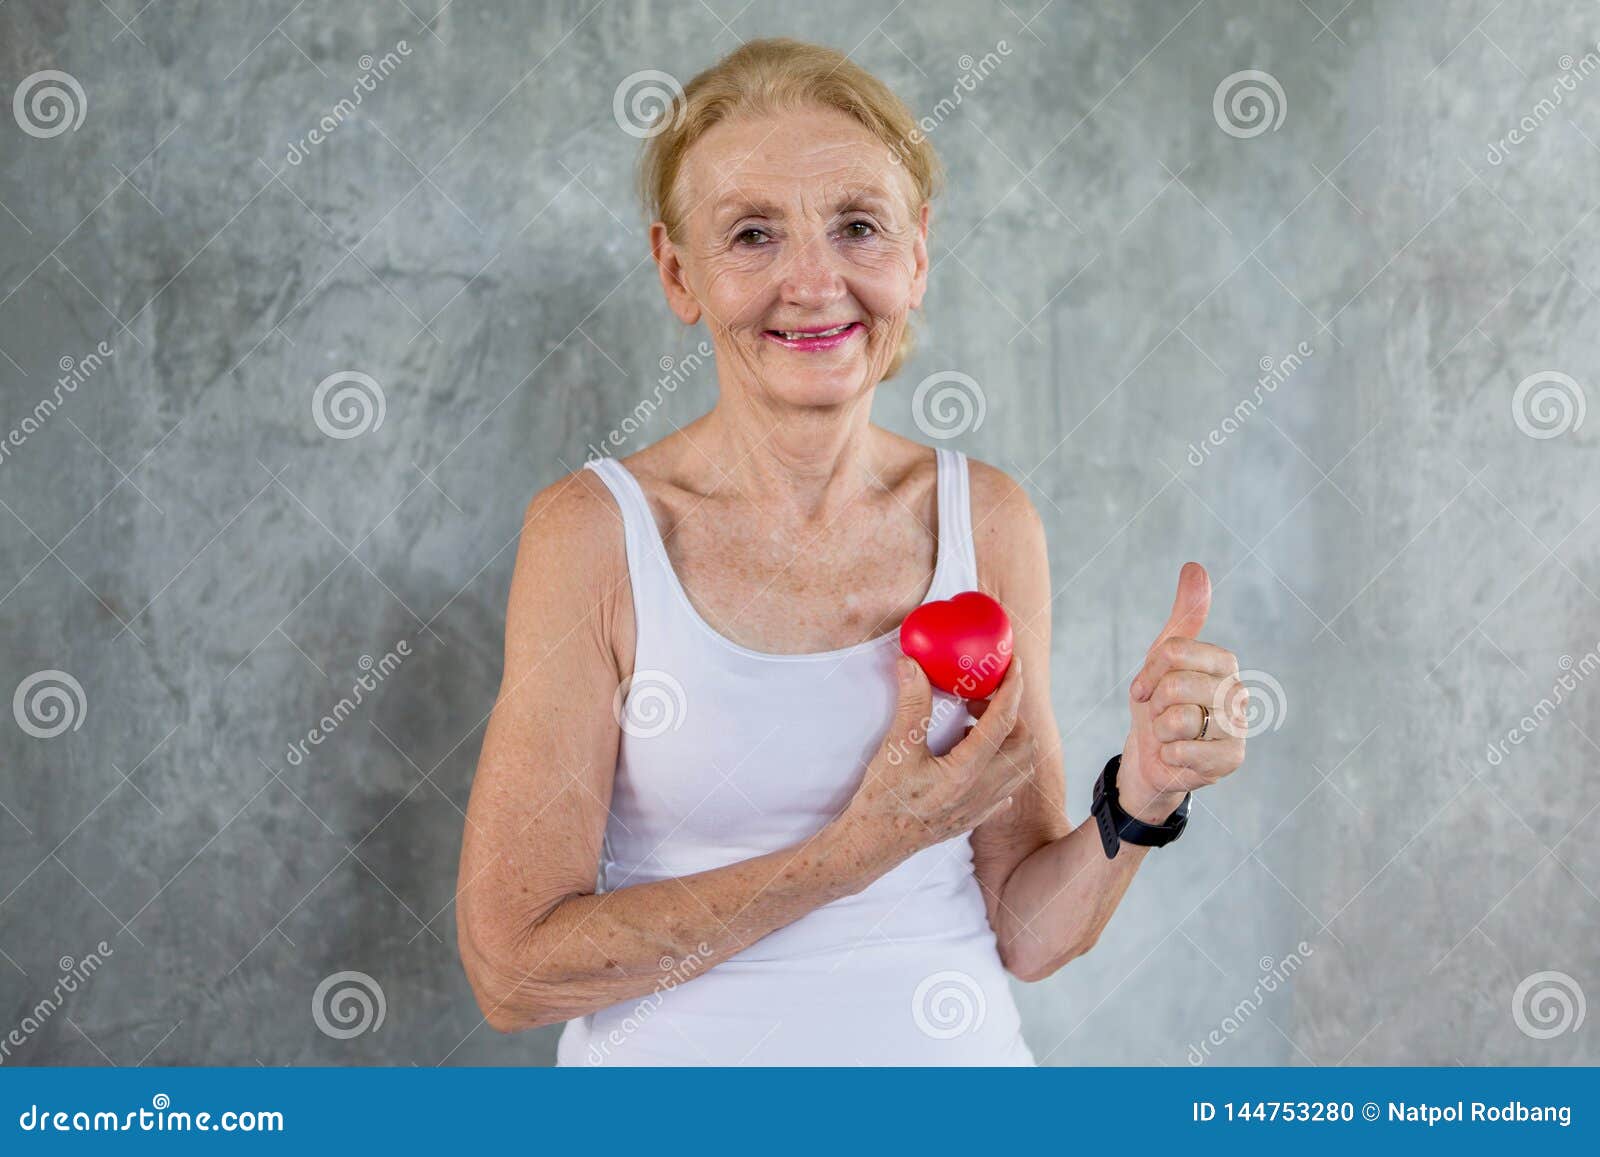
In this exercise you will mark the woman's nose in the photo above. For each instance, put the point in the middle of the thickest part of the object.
(811, 276)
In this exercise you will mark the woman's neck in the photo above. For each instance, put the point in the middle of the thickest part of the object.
(810, 462)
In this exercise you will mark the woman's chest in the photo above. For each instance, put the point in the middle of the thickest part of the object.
(754, 755)
(799, 591)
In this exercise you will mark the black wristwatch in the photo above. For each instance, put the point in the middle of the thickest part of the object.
(1117, 826)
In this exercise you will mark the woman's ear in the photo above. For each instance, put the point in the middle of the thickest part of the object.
(670, 269)
(919, 253)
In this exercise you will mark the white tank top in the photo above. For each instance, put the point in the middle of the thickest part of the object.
(728, 753)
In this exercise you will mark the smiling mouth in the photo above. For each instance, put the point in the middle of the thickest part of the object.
(797, 334)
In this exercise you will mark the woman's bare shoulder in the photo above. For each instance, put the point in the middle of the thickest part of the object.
(572, 564)
(1007, 532)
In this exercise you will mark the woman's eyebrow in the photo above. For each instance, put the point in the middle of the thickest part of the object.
(738, 206)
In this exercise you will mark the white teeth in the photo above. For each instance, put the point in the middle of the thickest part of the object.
(825, 333)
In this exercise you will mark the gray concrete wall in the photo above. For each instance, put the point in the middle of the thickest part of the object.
(1409, 567)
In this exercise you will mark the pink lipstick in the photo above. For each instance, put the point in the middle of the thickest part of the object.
(815, 337)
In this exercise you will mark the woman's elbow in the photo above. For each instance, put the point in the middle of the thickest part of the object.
(1031, 962)
(510, 995)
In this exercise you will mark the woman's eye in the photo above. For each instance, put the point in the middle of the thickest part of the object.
(865, 226)
(739, 238)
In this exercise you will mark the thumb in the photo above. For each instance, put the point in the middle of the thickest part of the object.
(1192, 604)
(916, 696)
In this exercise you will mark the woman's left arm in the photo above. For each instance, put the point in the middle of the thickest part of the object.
(1049, 887)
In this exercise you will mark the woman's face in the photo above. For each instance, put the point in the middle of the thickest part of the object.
(796, 225)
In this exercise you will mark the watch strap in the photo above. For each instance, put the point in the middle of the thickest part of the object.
(1117, 826)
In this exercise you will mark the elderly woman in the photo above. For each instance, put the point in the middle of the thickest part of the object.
(718, 817)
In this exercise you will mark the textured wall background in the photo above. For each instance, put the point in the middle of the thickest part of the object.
(1396, 545)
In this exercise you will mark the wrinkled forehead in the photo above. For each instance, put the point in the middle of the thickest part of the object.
(812, 163)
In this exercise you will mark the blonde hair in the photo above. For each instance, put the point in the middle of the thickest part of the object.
(777, 75)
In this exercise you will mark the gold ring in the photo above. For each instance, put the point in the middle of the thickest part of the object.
(1205, 720)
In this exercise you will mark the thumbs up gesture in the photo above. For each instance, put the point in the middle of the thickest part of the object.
(1189, 710)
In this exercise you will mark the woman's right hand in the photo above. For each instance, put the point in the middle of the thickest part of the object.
(910, 799)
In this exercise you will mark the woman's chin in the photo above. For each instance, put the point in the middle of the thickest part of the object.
(816, 388)
(819, 383)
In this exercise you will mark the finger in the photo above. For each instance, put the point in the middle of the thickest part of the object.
(1230, 707)
(1191, 606)
(1180, 721)
(1210, 759)
(999, 717)
(1184, 687)
(1176, 652)
(914, 708)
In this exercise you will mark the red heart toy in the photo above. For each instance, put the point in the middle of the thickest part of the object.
(963, 643)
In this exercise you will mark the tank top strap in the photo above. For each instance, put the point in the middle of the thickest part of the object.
(649, 571)
(958, 559)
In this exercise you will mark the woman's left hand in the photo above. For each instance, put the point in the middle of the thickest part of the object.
(1181, 682)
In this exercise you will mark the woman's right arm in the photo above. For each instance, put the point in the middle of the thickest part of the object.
(538, 944)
